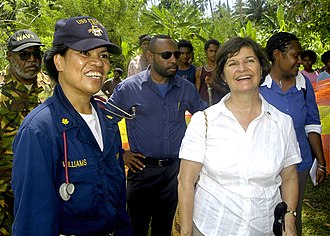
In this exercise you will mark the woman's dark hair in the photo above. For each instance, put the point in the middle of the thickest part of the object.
(49, 60)
(325, 57)
(232, 48)
(281, 41)
(309, 53)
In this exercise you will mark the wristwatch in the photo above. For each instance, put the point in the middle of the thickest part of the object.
(294, 213)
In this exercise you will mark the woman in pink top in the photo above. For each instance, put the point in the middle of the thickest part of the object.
(308, 58)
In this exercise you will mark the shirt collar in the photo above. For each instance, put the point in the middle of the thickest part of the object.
(300, 81)
(266, 108)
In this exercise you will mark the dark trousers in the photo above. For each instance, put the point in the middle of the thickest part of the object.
(152, 195)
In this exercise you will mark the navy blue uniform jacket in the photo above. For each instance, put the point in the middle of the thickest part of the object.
(98, 204)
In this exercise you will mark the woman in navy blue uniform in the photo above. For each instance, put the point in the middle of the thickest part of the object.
(68, 171)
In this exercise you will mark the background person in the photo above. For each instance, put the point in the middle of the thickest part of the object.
(325, 58)
(238, 185)
(22, 87)
(186, 69)
(289, 91)
(110, 84)
(158, 98)
(204, 79)
(68, 171)
(140, 62)
(308, 58)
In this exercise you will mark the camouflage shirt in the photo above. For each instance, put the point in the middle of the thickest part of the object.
(16, 101)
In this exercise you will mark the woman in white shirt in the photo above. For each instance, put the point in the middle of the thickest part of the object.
(237, 153)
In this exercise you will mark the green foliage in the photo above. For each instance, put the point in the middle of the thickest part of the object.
(177, 22)
(184, 22)
(248, 31)
(311, 15)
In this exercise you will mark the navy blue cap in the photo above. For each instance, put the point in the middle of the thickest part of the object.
(23, 39)
(83, 33)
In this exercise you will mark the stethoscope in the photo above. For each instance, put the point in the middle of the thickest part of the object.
(67, 188)
(126, 114)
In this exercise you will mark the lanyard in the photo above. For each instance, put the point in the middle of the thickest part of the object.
(66, 158)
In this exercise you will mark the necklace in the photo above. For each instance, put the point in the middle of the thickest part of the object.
(280, 84)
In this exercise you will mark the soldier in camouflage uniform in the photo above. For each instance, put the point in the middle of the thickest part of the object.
(22, 88)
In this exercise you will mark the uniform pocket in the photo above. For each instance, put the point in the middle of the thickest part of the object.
(84, 202)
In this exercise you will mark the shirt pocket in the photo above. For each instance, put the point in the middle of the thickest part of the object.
(177, 111)
(84, 202)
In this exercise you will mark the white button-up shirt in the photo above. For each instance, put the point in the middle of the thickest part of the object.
(239, 182)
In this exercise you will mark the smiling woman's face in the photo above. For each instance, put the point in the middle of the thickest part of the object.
(82, 73)
(242, 71)
(288, 62)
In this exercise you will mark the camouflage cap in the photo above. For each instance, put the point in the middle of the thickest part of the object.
(23, 39)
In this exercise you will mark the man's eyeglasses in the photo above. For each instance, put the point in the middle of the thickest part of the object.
(168, 55)
(279, 214)
(25, 55)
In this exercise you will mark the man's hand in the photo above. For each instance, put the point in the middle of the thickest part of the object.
(133, 160)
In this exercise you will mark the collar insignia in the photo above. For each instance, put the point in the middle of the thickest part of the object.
(65, 121)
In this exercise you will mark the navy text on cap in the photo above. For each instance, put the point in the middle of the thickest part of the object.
(23, 39)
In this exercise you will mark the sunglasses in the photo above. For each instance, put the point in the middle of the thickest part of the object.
(168, 55)
(279, 214)
(25, 55)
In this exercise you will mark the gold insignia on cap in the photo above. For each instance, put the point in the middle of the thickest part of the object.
(65, 121)
(96, 31)
(110, 117)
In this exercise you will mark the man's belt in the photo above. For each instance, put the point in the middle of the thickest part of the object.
(159, 162)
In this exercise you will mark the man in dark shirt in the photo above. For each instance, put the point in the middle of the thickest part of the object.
(158, 99)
